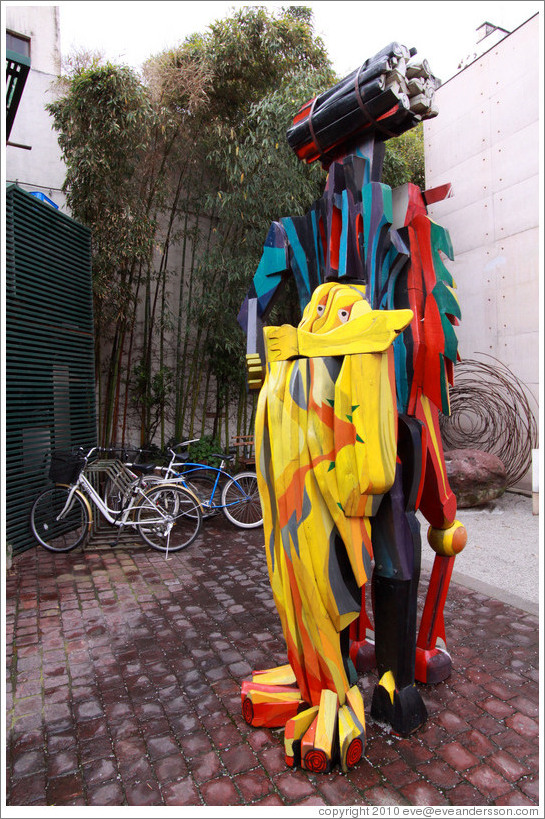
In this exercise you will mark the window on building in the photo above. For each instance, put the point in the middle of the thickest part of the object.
(18, 44)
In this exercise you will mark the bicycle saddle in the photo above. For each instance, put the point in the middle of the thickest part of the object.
(144, 469)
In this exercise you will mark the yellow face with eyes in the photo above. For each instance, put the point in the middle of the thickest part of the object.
(333, 304)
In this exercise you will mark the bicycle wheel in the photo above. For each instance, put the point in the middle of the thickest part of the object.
(64, 534)
(168, 517)
(203, 487)
(240, 500)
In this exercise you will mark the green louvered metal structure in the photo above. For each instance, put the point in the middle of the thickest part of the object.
(50, 385)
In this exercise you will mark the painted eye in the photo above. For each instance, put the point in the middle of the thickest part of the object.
(320, 309)
(344, 315)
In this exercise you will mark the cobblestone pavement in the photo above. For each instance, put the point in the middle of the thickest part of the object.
(123, 688)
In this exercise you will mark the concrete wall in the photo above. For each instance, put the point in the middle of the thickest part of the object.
(40, 168)
(485, 141)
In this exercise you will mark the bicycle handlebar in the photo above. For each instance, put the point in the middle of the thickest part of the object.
(140, 451)
(90, 452)
(184, 443)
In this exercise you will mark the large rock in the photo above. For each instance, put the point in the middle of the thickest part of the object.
(475, 477)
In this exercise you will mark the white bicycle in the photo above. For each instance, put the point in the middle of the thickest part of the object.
(167, 516)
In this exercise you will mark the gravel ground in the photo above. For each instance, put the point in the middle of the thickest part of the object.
(502, 555)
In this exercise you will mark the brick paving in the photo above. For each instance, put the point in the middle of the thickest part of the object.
(123, 680)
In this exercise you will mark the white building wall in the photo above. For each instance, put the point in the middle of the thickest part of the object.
(485, 141)
(41, 168)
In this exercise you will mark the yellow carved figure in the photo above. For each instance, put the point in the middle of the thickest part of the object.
(326, 453)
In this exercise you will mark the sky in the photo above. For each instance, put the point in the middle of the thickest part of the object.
(442, 31)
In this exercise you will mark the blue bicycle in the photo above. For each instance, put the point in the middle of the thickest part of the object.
(237, 496)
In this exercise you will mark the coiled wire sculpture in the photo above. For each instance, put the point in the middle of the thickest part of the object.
(490, 411)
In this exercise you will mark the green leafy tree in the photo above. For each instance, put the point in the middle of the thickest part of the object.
(119, 137)
(142, 174)
(178, 173)
(259, 64)
(404, 159)
(252, 52)
(104, 121)
(264, 180)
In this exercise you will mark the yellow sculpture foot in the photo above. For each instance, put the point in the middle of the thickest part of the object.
(271, 697)
(323, 736)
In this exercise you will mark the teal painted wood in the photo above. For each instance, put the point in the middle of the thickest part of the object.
(50, 378)
(17, 68)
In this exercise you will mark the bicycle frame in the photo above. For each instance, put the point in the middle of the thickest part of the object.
(115, 518)
(188, 468)
(186, 475)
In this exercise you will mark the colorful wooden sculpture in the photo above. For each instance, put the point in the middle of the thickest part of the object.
(347, 433)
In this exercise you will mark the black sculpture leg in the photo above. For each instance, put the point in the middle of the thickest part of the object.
(397, 547)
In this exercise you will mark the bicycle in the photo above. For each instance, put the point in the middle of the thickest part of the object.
(236, 496)
(167, 516)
